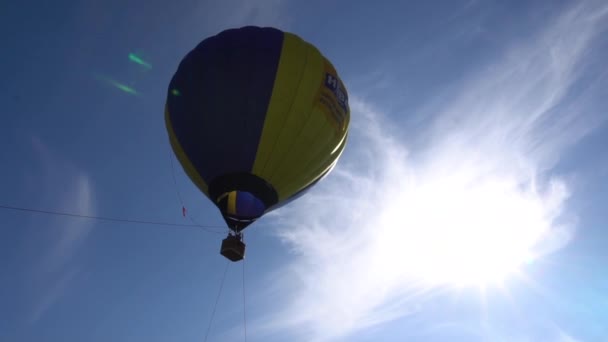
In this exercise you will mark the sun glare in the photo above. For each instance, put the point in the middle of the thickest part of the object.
(461, 233)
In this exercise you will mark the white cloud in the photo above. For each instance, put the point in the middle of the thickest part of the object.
(70, 190)
(390, 225)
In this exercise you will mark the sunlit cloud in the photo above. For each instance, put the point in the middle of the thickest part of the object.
(70, 190)
(471, 206)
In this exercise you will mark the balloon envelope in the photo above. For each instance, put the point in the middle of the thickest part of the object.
(256, 116)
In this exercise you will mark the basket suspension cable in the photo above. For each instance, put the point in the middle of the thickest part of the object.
(217, 299)
(244, 304)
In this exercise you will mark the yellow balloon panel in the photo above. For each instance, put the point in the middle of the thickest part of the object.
(303, 123)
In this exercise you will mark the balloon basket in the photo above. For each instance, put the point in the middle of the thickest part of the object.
(233, 248)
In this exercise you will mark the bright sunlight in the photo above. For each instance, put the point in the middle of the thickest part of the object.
(447, 228)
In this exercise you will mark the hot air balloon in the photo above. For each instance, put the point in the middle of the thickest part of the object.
(256, 117)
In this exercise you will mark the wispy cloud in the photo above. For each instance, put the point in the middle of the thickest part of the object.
(564, 337)
(53, 292)
(70, 190)
(549, 332)
(391, 225)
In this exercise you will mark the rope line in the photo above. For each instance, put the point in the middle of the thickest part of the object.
(179, 196)
(244, 304)
(113, 219)
(217, 299)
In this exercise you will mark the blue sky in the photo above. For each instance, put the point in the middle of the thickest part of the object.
(468, 205)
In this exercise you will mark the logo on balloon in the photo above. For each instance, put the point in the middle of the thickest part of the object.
(334, 100)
